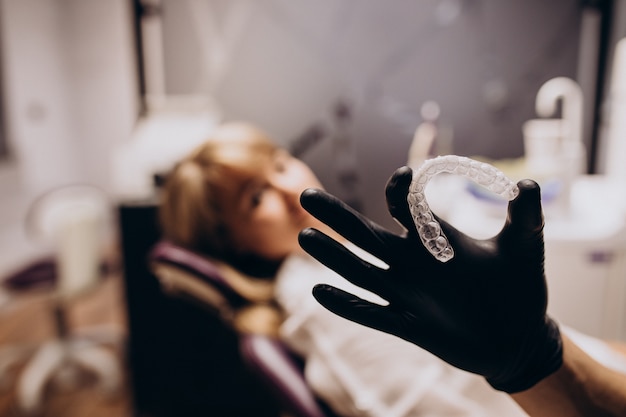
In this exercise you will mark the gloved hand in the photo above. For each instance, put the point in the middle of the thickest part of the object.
(483, 311)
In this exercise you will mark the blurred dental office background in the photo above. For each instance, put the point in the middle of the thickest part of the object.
(109, 93)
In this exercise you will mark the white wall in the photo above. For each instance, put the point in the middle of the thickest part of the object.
(293, 60)
(39, 125)
(70, 97)
(70, 87)
(104, 98)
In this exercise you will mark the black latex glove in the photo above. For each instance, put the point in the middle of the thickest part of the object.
(483, 311)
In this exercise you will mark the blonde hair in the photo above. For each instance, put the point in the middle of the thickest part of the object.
(200, 193)
(199, 199)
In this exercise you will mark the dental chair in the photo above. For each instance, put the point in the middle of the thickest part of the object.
(182, 273)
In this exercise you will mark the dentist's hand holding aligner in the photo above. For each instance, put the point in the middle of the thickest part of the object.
(483, 311)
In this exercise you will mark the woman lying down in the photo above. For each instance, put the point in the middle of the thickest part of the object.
(236, 199)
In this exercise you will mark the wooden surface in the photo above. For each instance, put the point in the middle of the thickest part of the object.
(28, 321)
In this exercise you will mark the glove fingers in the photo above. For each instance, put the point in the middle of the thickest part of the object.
(338, 258)
(525, 216)
(396, 193)
(358, 310)
(347, 222)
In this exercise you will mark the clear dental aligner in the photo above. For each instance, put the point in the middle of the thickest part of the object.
(428, 228)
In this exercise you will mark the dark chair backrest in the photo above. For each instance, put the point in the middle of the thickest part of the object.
(182, 359)
(282, 372)
(268, 358)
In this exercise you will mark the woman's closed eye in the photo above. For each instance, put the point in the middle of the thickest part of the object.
(256, 196)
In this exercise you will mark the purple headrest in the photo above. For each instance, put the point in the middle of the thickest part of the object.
(195, 264)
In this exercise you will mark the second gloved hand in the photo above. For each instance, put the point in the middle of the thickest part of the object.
(484, 311)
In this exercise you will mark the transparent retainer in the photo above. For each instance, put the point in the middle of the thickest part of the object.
(428, 228)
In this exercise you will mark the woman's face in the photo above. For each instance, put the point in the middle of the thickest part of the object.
(268, 214)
